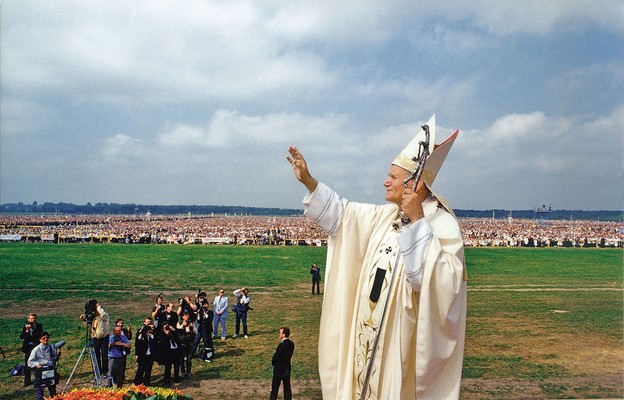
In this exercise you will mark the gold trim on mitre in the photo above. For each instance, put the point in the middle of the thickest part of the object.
(405, 159)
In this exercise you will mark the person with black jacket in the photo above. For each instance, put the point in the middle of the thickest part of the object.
(186, 332)
(144, 351)
(31, 332)
(315, 271)
(171, 351)
(281, 364)
(205, 316)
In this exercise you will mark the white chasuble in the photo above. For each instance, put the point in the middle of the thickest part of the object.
(420, 347)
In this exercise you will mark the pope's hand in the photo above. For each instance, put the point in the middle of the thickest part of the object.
(411, 202)
(300, 168)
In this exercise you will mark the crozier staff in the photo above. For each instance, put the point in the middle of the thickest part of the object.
(393, 318)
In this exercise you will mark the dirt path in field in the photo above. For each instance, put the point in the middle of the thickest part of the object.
(607, 386)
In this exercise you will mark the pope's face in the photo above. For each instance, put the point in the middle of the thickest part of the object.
(394, 184)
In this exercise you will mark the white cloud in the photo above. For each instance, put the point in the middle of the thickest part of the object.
(122, 146)
(22, 116)
(534, 157)
(232, 129)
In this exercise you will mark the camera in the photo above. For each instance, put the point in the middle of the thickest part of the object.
(90, 310)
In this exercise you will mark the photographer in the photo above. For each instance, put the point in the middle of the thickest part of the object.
(100, 329)
(126, 331)
(159, 308)
(118, 348)
(144, 350)
(31, 332)
(170, 343)
(186, 332)
(42, 361)
(187, 307)
(315, 271)
(205, 316)
(169, 317)
(240, 308)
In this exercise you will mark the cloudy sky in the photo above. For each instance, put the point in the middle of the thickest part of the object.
(196, 102)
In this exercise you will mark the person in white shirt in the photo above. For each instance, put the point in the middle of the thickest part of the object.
(240, 308)
(42, 362)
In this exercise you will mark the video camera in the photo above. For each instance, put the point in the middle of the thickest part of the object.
(90, 310)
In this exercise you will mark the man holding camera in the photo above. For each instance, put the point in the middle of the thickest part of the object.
(42, 361)
(159, 308)
(240, 308)
(31, 332)
(187, 307)
(186, 332)
(118, 348)
(171, 349)
(205, 316)
(169, 317)
(100, 329)
(144, 349)
(315, 271)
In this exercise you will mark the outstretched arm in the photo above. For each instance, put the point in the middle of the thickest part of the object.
(300, 168)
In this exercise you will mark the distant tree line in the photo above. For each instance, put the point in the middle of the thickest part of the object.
(555, 215)
(142, 209)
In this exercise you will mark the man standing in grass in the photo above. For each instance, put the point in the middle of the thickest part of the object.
(315, 271)
(281, 364)
(42, 361)
(241, 308)
(394, 309)
(220, 305)
(118, 349)
(31, 332)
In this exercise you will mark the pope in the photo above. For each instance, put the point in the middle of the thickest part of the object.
(394, 308)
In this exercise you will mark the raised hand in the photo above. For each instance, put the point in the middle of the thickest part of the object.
(300, 168)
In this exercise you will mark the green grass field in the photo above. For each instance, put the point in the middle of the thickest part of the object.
(543, 320)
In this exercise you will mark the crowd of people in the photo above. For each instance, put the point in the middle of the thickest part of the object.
(541, 233)
(163, 229)
(172, 335)
(240, 230)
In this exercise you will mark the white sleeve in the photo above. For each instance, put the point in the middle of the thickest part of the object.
(33, 361)
(325, 207)
(414, 241)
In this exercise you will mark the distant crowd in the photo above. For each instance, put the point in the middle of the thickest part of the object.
(278, 231)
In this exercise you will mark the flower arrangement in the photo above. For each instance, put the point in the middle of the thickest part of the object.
(134, 392)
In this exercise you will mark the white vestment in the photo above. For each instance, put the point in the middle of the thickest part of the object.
(420, 349)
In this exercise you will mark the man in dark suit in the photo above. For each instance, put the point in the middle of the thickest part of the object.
(144, 349)
(31, 332)
(281, 364)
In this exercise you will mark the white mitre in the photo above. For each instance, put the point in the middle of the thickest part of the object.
(436, 158)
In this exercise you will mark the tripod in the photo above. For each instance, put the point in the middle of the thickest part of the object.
(88, 347)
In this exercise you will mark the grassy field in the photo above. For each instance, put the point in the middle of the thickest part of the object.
(542, 323)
